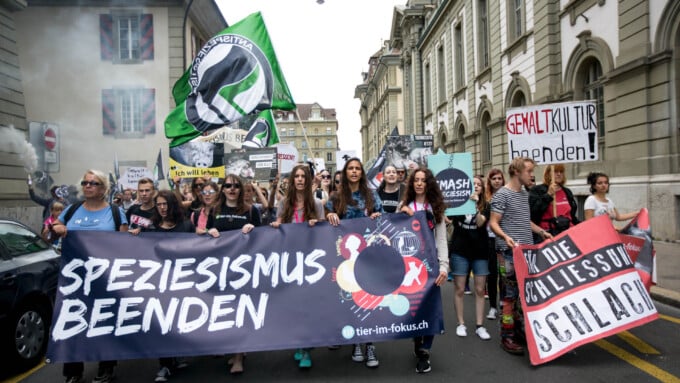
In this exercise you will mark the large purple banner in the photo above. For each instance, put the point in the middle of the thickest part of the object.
(160, 295)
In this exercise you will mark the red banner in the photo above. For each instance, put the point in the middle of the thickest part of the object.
(577, 288)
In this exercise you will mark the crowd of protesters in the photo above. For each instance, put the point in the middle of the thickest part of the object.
(507, 213)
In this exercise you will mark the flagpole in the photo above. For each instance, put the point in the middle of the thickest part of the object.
(304, 133)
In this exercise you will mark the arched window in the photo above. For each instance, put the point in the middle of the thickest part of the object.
(487, 138)
(518, 99)
(461, 139)
(593, 89)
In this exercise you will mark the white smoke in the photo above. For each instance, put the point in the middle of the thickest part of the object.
(13, 141)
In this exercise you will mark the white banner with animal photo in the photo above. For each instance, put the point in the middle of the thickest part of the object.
(257, 164)
(408, 151)
(553, 133)
(342, 156)
(196, 158)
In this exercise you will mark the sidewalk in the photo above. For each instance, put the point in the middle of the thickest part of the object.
(667, 289)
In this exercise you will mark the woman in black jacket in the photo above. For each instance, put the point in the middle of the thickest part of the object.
(557, 217)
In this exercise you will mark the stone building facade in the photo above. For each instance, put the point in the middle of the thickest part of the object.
(466, 62)
(313, 131)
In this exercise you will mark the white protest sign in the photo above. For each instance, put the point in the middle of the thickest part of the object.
(132, 175)
(287, 156)
(553, 133)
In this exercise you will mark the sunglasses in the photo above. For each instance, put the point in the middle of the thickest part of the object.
(337, 181)
(198, 185)
(400, 172)
(232, 186)
(90, 183)
(326, 177)
(208, 192)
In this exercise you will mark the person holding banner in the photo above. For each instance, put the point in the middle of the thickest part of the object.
(390, 189)
(598, 203)
(355, 199)
(553, 206)
(494, 181)
(204, 218)
(169, 218)
(300, 206)
(469, 252)
(423, 194)
(510, 220)
(93, 214)
(231, 213)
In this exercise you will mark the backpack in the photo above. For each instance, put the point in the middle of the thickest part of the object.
(115, 212)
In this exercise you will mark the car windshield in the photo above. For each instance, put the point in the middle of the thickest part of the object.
(17, 240)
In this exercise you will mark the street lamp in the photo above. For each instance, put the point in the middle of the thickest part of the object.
(319, 1)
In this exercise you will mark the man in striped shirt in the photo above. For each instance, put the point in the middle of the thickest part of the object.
(511, 222)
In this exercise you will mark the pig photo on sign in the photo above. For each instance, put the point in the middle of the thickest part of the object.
(240, 166)
(195, 154)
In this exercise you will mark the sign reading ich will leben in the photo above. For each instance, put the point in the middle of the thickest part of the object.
(454, 176)
(179, 294)
(553, 133)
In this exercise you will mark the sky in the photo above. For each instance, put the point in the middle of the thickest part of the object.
(323, 49)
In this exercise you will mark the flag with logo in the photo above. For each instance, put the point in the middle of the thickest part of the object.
(262, 132)
(158, 173)
(374, 174)
(235, 73)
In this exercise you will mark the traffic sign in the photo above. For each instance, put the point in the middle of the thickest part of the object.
(50, 139)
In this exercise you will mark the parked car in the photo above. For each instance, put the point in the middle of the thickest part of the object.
(29, 271)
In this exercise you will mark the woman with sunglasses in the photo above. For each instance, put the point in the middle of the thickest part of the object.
(355, 200)
(233, 212)
(93, 214)
(300, 206)
(204, 218)
(325, 184)
(423, 194)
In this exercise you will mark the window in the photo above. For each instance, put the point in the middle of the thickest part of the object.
(129, 113)
(515, 19)
(304, 144)
(329, 130)
(594, 90)
(18, 241)
(426, 90)
(518, 99)
(291, 131)
(487, 137)
(126, 37)
(329, 157)
(441, 74)
(329, 143)
(482, 34)
(460, 60)
(283, 131)
(461, 139)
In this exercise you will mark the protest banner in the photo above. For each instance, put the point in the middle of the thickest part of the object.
(408, 151)
(577, 288)
(132, 175)
(638, 241)
(253, 164)
(553, 133)
(179, 294)
(197, 157)
(454, 176)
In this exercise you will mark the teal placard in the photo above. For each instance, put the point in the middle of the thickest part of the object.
(454, 175)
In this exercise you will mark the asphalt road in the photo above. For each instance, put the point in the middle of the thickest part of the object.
(648, 353)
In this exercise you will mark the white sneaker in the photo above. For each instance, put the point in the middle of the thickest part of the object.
(492, 314)
(357, 355)
(461, 330)
(482, 333)
(162, 375)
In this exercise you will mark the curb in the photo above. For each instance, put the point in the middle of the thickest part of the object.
(666, 296)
